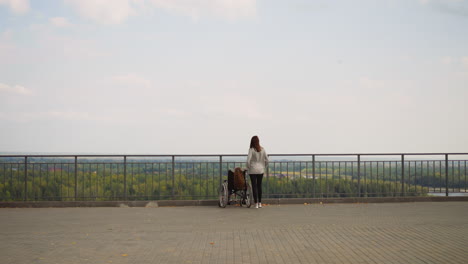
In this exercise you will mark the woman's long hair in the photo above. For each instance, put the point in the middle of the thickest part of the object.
(255, 143)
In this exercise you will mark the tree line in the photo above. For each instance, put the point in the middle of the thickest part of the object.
(201, 180)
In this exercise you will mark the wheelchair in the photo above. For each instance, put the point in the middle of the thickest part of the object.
(229, 195)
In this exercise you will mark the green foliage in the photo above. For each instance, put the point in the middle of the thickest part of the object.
(200, 180)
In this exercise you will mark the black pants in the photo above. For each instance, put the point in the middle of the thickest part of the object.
(256, 180)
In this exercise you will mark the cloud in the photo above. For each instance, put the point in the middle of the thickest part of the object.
(68, 46)
(53, 115)
(5, 41)
(369, 93)
(453, 7)
(131, 79)
(464, 61)
(455, 61)
(234, 106)
(174, 112)
(8, 50)
(228, 9)
(6, 35)
(17, 6)
(447, 60)
(371, 83)
(69, 115)
(59, 22)
(17, 89)
(118, 11)
(425, 2)
(104, 11)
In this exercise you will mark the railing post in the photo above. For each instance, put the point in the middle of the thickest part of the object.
(359, 174)
(220, 169)
(403, 175)
(25, 178)
(313, 176)
(267, 181)
(173, 176)
(446, 176)
(76, 178)
(125, 178)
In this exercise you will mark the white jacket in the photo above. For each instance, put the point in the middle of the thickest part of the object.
(257, 161)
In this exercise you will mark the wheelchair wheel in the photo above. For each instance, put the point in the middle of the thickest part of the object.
(248, 196)
(223, 195)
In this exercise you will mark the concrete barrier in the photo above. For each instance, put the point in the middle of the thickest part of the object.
(279, 201)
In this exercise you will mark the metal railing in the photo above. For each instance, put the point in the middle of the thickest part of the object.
(194, 177)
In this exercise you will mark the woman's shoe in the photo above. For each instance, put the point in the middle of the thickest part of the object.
(256, 205)
(259, 205)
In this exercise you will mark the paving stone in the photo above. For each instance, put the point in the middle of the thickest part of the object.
(430, 232)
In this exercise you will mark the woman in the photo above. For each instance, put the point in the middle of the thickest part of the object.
(257, 161)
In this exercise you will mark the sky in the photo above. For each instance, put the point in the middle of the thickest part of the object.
(204, 76)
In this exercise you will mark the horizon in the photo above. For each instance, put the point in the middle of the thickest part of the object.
(227, 158)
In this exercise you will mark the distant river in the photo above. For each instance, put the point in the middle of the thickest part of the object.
(450, 194)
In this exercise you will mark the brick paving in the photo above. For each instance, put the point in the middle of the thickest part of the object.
(425, 232)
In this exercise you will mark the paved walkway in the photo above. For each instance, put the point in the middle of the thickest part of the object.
(413, 233)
